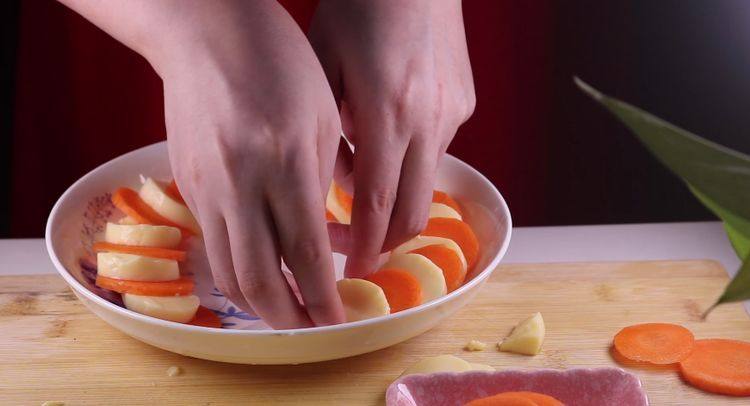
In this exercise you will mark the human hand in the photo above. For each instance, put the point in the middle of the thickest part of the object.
(401, 71)
(253, 131)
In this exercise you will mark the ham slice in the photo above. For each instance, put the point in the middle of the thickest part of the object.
(577, 386)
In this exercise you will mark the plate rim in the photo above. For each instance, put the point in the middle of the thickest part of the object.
(80, 289)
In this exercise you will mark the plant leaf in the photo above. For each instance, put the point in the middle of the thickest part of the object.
(738, 287)
(718, 176)
(740, 241)
(738, 229)
(720, 173)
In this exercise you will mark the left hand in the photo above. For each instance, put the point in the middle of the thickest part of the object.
(401, 72)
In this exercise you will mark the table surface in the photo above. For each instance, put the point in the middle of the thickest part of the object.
(621, 242)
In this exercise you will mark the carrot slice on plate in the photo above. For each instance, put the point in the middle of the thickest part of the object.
(153, 252)
(178, 287)
(402, 290)
(172, 191)
(657, 343)
(448, 261)
(330, 217)
(503, 399)
(719, 366)
(128, 201)
(345, 199)
(205, 317)
(442, 197)
(458, 231)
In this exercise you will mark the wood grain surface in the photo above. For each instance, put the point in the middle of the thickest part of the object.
(53, 348)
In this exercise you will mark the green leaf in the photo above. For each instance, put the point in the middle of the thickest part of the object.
(738, 229)
(740, 241)
(738, 287)
(720, 173)
(717, 175)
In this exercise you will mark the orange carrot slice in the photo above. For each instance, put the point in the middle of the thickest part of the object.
(345, 199)
(657, 343)
(503, 399)
(128, 201)
(178, 287)
(719, 366)
(330, 217)
(402, 290)
(205, 317)
(447, 260)
(541, 399)
(620, 359)
(444, 198)
(172, 191)
(153, 252)
(458, 231)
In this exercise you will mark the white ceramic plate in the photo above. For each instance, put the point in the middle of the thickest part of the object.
(84, 208)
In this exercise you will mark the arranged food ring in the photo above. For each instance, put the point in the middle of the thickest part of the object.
(418, 271)
(140, 254)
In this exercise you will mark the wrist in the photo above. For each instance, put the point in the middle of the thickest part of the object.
(197, 32)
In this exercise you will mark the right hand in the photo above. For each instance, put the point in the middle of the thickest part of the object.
(253, 131)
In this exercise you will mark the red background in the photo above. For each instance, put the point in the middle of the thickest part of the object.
(82, 99)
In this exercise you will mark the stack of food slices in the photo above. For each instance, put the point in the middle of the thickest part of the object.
(420, 270)
(140, 255)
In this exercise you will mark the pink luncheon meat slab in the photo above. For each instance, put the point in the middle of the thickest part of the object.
(577, 386)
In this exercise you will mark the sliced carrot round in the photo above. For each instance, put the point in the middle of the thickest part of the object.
(458, 231)
(172, 191)
(153, 252)
(178, 287)
(719, 366)
(402, 290)
(657, 343)
(442, 197)
(330, 217)
(503, 399)
(541, 399)
(128, 201)
(448, 261)
(205, 317)
(345, 199)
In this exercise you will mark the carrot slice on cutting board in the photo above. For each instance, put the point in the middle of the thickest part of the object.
(448, 261)
(442, 197)
(128, 201)
(152, 252)
(458, 231)
(503, 399)
(179, 287)
(657, 343)
(402, 290)
(719, 366)
(205, 317)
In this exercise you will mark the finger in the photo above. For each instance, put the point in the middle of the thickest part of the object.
(220, 259)
(256, 262)
(298, 209)
(412, 207)
(328, 140)
(341, 238)
(376, 174)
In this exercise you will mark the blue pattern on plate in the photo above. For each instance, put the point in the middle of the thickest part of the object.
(231, 312)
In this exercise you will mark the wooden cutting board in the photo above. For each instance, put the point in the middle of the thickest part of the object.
(52, 348)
